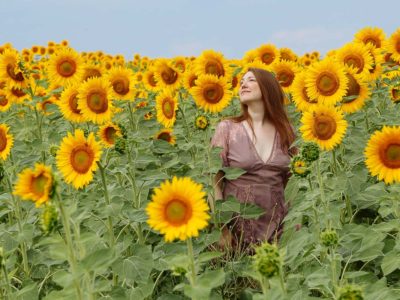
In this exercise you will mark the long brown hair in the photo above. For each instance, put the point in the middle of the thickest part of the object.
(273, 98)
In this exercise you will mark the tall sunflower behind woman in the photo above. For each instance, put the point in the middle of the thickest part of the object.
(323, 125)
(94, 100)
(166, 106)
(122, 83)
(326, 81)
(77, 158)
(211, 93)
(382, 154)
(65, 67)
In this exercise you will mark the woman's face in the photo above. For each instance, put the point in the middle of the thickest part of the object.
(249, 89)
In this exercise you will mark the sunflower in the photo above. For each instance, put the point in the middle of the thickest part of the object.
(6, 141)
(357, 93)
(299, 93)
(178, 209)
(356, 55)
(108, 133)
(383, 154)
(94, 100)
(65, 67)
(77, 158)
(377, 62)
(211, 93)
(287, 54)
(166, 135)
(369, 35)
(35, 185)
(121, 80)
(326, 81)
(68, 104)
(10, 70)
(285, 73)
(5, 102)
(92, 70)
(323, 125)
(202, 122)
(15, 95)
(166, 74)
(149, 80)
(267, 54)
(393, 45)
(211, 62)
(180, 63)
(166, 105)
(394, 94)
(189, 79)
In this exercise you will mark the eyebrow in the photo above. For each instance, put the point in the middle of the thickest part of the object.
(250, 77)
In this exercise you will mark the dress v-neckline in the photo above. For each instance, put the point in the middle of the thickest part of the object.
(255, 149)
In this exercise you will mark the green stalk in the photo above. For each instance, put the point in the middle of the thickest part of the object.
(39, 126)
(18, 214)
(282, 281)
(264, 286)
(8, 289)
(192, 277)
(322, 192)
(71, 252)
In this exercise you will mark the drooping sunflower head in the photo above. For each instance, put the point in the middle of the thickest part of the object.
(326, 81)
(178, 209)
(94, 100)
(10, 69)
(394, 92)
(166, 74)
(166, 106)
(323, 125)
(65, 67)
(6, 141)
(371, 35)
(108, 134)
(35, 185)
(383, 154)
(122, 83)
(211, 93)
(211, 62)
(165, 135)
(77, 158)
(68, 104)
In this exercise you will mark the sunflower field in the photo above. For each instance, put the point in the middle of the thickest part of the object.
(107, 173)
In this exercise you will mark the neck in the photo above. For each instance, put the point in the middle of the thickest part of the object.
(256, 112)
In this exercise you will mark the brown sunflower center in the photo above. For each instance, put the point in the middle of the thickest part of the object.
(91, 73)
(213, 93)
(97, 101)
(308, 99)
(82, 158)
(3, 140)
(214, 67)
(152, 80)
(396, 94)
(110, 134)
(177, 212)
(397, 46)
(18, 92)
(121, 86)
(353, 87)
(3, 100)
(11, 73)
(192, 81)
(327, 83)
(38, 184)
(390, 156)
(66, 67)
(169, 75)
(354, 61)
(373, 40)
(73, 103)
(324, 127)
(168, 108)
(267, 57)
(166, 136)
(285, 78)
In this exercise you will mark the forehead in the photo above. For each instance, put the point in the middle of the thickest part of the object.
(248, 74)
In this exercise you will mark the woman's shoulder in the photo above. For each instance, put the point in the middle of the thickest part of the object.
(227, 123)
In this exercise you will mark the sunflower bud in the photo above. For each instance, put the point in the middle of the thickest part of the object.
(53, 150)
(178, 271)
(124, 132)
(202, 122)
(120, 145)
(2, 259)
(48, 219)
(329, 238)
(299, 166)
(310, 151)
(267, 260)
(351, 292)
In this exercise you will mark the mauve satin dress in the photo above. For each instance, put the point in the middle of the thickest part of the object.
(263, 183)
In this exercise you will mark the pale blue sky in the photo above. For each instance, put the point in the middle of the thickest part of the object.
(168, 28)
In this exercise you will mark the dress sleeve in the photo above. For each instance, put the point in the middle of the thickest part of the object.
(221, 139)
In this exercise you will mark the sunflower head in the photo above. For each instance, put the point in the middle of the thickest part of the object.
(329, 238)
(211, 62)
(202, 122)
(65, 67)
(48, 218)
(109, 133)
(350, 292)
(178, 209)
(310, 151)
(166, 135)
(267, 260)
(166, 106)
(299, 166)
(6, 141)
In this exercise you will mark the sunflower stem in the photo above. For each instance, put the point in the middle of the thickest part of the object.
(192, 277)
(39, 127)
(264, 286)
(322, 192)
(18, 216)
(131, 117)
(7, 281)
(70, 246)
(334, 162)
(348, 206)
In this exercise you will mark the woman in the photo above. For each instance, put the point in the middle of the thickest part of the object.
(257, 141)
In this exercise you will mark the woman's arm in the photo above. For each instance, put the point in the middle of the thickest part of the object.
(218, 185)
